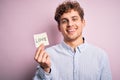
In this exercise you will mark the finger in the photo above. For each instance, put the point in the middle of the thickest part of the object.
(38, 51)
(40, 56)
(42, 51)
(48, 60)
(44, 58)
(45, 61)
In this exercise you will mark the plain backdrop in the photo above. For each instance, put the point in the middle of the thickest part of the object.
(21, 19)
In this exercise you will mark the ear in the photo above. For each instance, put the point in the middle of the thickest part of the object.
(83, 23)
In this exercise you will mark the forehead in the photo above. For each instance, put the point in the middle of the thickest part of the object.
(71, 13)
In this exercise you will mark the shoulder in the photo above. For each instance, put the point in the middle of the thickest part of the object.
(95, 50)
(54, 51)
(54, 47)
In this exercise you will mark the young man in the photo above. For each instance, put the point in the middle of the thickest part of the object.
(73, 58)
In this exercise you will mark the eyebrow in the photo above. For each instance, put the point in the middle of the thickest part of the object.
(63, 19)
(74, 16)
(71, 17)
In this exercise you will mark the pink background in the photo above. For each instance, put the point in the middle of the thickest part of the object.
(21, 19)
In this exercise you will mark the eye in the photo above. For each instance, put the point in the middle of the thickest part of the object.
(75, 19)
(64, 21)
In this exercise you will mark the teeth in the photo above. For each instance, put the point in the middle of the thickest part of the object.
(71, 30)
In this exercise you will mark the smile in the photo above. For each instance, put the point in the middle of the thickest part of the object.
(71, 30)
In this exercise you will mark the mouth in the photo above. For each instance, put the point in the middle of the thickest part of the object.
(71, 30)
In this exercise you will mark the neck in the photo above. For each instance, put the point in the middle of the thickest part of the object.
(75, 43)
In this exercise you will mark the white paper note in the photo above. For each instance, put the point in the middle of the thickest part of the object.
(41, 39)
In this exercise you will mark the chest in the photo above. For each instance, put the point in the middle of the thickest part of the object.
(78, 66)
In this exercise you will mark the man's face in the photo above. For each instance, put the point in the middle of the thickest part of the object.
(71, 25)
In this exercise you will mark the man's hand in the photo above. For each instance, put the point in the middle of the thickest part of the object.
(43, 58)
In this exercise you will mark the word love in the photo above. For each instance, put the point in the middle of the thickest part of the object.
(41, 39)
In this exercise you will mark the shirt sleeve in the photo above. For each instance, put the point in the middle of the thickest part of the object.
(41, 74)
(106, 72)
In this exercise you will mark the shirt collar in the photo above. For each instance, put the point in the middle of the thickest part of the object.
(80, 48)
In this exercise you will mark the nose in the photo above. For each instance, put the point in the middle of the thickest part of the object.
(70, 23)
